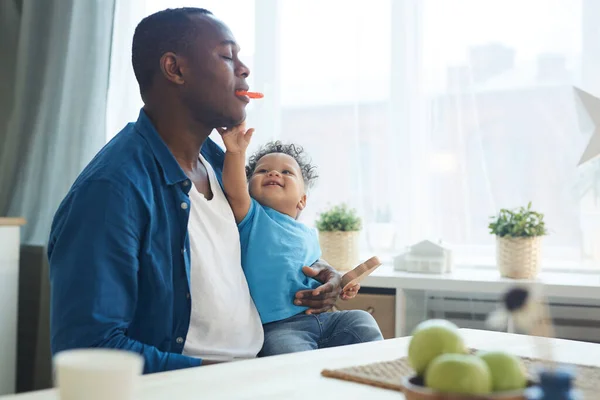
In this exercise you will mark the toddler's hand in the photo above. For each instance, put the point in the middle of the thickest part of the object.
(237, 138)
(350, 292)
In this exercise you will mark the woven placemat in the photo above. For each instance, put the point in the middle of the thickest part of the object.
(389, 374)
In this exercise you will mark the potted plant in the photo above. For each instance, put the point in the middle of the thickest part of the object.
(519, 234)
(339, 233)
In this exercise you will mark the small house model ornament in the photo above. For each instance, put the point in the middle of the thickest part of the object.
(426, 257)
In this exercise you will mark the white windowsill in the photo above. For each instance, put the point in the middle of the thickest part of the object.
(487, 280)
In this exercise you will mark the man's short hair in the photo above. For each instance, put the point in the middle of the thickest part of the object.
(168, 30)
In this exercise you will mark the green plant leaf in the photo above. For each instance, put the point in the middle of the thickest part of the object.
(519, 222)
(339, 218)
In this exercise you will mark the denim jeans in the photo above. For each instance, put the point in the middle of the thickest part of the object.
(309, 332)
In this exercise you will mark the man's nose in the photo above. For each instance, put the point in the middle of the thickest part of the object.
(242, 70)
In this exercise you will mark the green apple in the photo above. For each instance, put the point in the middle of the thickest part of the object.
(432, 338)
(508, 371)
(459, 374)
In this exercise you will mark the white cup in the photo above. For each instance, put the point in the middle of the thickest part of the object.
(98, 374)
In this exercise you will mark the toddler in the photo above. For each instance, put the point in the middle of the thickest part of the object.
(267, 197)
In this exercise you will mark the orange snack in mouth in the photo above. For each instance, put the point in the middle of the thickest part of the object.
(252, 95)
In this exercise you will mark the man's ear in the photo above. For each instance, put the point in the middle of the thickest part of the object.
(302, 203)
(170, 66)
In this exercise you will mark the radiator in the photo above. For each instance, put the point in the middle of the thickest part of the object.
(573, 319)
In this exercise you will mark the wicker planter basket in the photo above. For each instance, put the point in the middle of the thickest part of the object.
(519, 258)
(340, 249)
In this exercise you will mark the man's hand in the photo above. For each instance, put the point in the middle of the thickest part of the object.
(237, 138)
(324, 297)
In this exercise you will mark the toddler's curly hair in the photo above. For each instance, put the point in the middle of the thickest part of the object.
(309, 171)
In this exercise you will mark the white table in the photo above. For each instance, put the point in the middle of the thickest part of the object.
(297, 376)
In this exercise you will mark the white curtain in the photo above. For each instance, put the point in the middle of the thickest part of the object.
(425, 115)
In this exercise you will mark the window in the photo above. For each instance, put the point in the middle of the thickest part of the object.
(335, 97)
(426, 115)
(497, 78)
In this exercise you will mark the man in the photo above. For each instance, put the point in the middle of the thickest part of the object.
(144, 250)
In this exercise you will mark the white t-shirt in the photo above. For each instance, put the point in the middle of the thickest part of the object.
(224, 323)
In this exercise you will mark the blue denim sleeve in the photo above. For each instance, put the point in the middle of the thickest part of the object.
(93, 273)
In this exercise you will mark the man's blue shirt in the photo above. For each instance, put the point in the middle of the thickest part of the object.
(119, 251)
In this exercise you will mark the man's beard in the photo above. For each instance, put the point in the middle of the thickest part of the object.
(216, 119)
